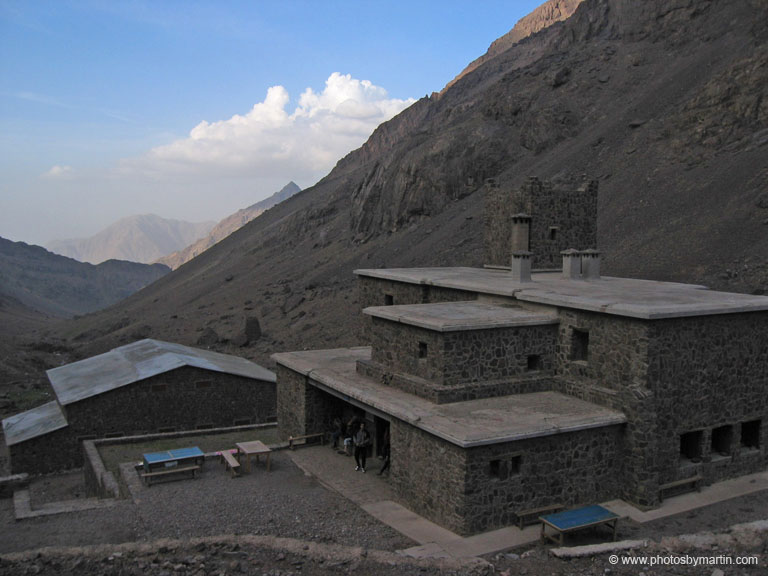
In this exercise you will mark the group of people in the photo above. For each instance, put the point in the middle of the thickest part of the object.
(357, 439)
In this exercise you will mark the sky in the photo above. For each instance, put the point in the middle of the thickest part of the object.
(193, 110)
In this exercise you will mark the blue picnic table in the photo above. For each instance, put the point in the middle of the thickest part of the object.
(170, 461)
(577, 519)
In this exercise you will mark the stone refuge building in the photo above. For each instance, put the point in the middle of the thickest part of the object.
(505, 390)
(146, 387)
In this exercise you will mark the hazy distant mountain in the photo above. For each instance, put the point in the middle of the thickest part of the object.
(143, 238)
(228, 225)
(35, 279)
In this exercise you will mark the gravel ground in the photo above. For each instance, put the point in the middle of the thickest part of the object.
(283, 502)
(284, 523)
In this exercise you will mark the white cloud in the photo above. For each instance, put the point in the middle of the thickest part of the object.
(272, 142)
(58, 173)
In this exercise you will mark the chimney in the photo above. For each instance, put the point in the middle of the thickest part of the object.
(590, 264)
(520, 267)
(521, 228)
(571, 264)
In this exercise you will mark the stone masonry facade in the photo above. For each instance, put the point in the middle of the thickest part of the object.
(561, 219)
(186, 398)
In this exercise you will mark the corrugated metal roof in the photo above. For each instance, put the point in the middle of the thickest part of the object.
(141, 360)
(32, 423)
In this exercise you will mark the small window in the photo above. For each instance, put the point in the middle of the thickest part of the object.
(750, 434)
(721, 441)
(505, 468)
(534, 363)
(579, 345)
(690, 446)
(553, 232)
(389, 299)
(422, 349)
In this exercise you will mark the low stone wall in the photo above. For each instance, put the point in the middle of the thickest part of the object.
(9, 484)
(102, 483)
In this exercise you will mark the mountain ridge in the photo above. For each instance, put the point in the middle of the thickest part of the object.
(662, 102)
(141, 238)
(227, 225)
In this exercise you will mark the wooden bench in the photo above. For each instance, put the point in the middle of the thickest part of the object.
(147, 476)
(230, 462)
(531, 516)
(293, 439)
(693, 481)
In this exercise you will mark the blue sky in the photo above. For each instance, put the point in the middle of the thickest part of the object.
(192, 110)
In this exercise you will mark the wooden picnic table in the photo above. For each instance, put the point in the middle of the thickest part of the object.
(577, 519)
(254, 447)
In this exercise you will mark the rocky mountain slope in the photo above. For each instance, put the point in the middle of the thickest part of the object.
(142, 238)
(663, 101)
(35, 282)
(542, 17)
(228, 225)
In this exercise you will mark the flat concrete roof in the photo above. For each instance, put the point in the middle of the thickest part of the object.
(645, 299)
(141, 360)
(466, 424)
(32, 423)
(455, 316)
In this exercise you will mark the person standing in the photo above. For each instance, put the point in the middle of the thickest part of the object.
(361, 439)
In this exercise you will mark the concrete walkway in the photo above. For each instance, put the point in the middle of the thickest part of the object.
(374, 495)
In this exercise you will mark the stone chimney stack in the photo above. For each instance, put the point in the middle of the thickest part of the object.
(590, 264)
(521, 231)
(571, 264)
(520, 267)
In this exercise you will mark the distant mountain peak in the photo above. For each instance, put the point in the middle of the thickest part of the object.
(139, 238)
(227, 226)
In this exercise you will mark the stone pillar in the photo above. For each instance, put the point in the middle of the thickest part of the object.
(521, 228)
(571, 264)
(520, 269)
(590, 264)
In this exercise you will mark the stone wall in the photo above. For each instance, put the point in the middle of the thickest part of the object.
(58, 450)
(710, 372)
(374, 292)
(479, 489)
(302, 408)
(561, 219)
(428, 474)
(183, 399)
(460, 358)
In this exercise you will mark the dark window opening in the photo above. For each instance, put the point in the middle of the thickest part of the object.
(504, 468)
(690, 446)
(203, 384)
(750, 434)
(389, 299)
(721, 441)
(579, 345)
(422, 349)
(534, 362)
(243, 422)
(553, 232)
